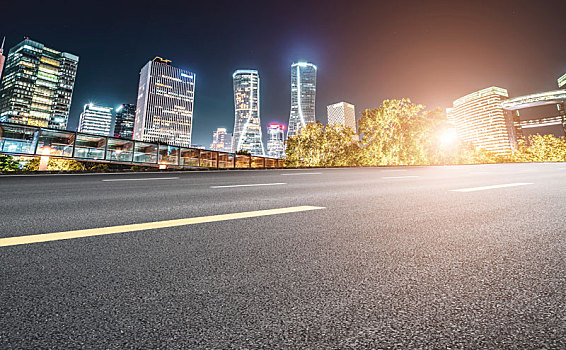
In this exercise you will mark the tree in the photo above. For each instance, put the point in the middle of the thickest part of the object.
(8, 163)
(541, 148)
(398, 132)
(55, 164)
(243, 152)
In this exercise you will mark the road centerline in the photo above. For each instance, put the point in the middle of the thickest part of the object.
(492, 187)
(400, 177)
(58, 236)
(142, 179)
(296, 174)
(250, 185)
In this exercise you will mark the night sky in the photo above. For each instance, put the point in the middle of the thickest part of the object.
(430, 51)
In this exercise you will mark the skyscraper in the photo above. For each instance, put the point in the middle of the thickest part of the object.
(221, 140)
(2, 58)
(479, 119)
(38, 85)
(342, 113)
(275, 140)
(247, 127)
(303, 94)
(125, 118)
(562, 82)
(96, 120)
(165, 104)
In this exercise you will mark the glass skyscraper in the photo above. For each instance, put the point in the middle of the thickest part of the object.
(164, 110)
(96, 120)
(37, 85)
(303, 94)
(247, 127)
(125, 117)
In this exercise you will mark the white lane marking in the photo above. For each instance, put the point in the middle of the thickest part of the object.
(142, 179)
(295, 174)
(57, 236)
(249, 185)
(400, 177)
(483, 188)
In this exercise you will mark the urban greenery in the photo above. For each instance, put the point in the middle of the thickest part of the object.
(8, 163)
(400, 132)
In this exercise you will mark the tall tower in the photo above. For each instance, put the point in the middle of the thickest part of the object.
(247, 127)
(164, 111)
(37, 85)
(125, 117)
(2, 58)
(303, 94)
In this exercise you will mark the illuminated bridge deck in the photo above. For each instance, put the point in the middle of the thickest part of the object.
(25, 140)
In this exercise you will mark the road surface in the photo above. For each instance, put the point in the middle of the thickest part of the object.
(420, 257)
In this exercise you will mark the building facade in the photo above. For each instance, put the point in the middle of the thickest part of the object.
(125, 118)
(221, 141)
(247, 126)
(303, 96)
(275, 140)
(37, 86)
(96, 120)
(342, 113)
(479, 119)
(164, 111)
(2, 59)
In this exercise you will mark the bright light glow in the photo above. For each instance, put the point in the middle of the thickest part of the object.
(119, 108)
(448, 137)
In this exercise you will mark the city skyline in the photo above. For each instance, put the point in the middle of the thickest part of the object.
(432, 53)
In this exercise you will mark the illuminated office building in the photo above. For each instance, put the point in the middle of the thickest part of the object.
(480, 120)
(96, 120)
(37, 86)
(165, 102)
(2, 58)
(303, 94)
(342, 113)
(275, 140)
(562, 82)
(125, 118)
(221, 141)
(247, 127)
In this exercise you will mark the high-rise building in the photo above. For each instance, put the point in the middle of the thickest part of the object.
(303, 94)
(37, 86)
(562, 82)
(125, 118)
(247, 127)
(165, 103)
(342, 113)
(96, 120)
(221, 140)
(479, 119)
(2, 58)
(275, 140)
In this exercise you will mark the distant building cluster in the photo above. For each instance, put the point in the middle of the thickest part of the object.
(38, 82)
(37, 89)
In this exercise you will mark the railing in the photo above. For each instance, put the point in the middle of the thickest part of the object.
(26, 140)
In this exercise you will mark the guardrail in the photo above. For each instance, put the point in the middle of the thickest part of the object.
(32, 141)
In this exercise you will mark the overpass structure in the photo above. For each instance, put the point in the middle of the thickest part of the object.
(513, 107)
(32, 141)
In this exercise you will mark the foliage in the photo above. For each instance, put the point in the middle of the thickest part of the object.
(541, 148)
(317, 145)
(244, 153)
(55, 164)
(8, 163)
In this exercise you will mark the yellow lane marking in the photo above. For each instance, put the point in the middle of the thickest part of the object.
(57, 236)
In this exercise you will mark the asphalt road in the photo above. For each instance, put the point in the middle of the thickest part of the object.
(396, 258)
